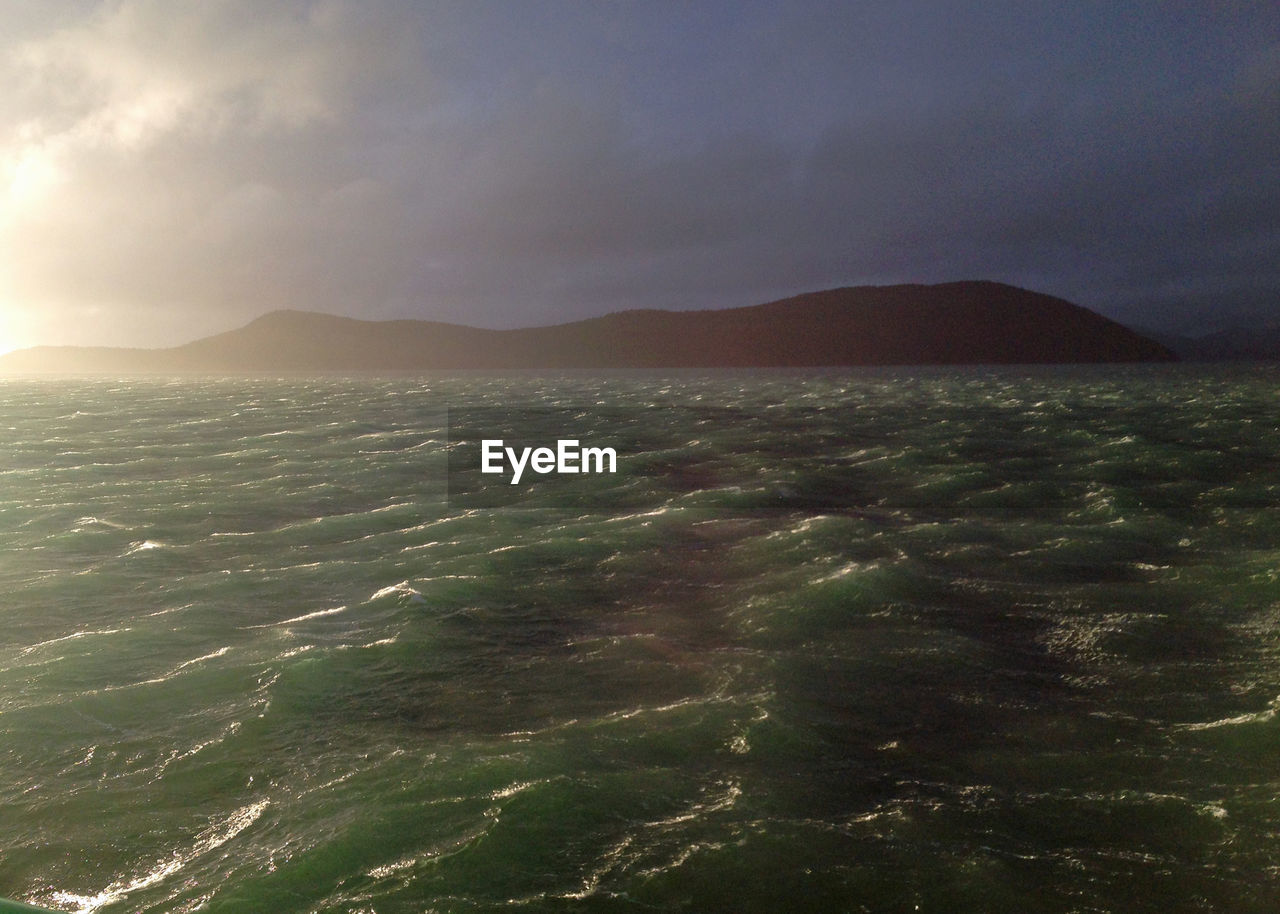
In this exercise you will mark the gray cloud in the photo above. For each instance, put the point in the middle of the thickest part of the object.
(175, 169)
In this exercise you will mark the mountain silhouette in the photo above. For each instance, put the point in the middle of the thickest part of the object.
(954, 323)
(1237, 344)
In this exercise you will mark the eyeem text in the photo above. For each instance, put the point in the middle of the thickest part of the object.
(567, 457)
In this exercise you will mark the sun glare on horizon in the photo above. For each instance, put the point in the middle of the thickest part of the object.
(27, 176)
(8, 341)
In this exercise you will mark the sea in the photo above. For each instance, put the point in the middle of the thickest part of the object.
(878, 640)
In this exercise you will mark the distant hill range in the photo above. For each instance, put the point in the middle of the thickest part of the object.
(1239, 344)
(947, 324)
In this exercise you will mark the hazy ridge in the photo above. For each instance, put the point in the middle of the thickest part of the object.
(950, 323)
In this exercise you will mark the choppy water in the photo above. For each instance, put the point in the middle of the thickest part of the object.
(1013, 646)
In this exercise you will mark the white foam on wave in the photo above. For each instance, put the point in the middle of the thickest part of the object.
(681, 857)
(165, 677)
(210, 656)
(659, 709)
(171, 609)
(390, 869)
(178, 755)
(208, 840)
(725, 800)
(848, 569)
(609, 861)
(381, 642)
(430, 856)
(403, 590)
(144, 546)
(511, 548)
(72, 637)
(627, 852)
(295, 651)
(91, 521)
(804, 526)
(504, 793)
(639, 515)
(1257, 717)
(319, 613)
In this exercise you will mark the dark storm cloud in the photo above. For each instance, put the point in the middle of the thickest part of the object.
(175, 170)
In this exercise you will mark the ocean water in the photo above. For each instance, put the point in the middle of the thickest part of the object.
(959, 641)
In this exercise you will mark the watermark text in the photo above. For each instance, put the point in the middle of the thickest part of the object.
(567, 457)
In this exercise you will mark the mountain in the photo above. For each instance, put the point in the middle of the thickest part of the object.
(1239, 344)
(947, 324)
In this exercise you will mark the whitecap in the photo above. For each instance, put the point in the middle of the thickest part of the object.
(208, 840)
(725, 800)
(91, 521)
(144, 546)
(402, 590)
(1257, 717)
(210, 656)
(511, 790)
(302, 618)
(73, 636)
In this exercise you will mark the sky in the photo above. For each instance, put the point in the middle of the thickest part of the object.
(170, 170)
